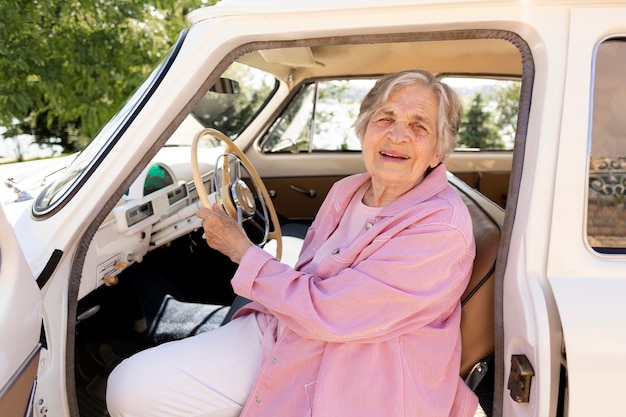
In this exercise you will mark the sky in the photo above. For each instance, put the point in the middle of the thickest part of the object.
(8, 148)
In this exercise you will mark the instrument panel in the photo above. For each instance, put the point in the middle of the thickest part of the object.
(156, 209)
(154, 196)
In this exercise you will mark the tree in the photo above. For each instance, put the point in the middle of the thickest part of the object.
(507, 107)
(477, 129)
(67, 66)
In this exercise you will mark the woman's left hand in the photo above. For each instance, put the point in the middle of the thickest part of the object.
(223, 234)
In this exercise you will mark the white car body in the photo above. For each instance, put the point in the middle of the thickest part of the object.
(556, 295)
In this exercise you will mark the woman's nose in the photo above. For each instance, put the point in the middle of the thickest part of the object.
(399, 132)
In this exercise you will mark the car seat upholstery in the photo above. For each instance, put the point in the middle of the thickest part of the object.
(477, 317)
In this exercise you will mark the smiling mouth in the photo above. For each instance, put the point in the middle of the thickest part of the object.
(393, 156)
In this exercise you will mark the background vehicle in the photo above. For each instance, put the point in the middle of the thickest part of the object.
(106, 258)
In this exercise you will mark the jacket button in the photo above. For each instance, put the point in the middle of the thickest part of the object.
(335, 251)
(274, 360)
(257, 399)
(368, 225)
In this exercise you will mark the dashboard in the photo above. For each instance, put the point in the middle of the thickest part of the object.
(158, 207)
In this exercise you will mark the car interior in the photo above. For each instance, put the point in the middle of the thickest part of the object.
(148, 277)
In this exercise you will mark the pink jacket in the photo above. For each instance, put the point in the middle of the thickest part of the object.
(374, 330)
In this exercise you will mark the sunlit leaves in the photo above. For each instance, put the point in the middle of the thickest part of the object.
(73, 63)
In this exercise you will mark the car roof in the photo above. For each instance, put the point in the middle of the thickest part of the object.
(295, 60)
(244, 7)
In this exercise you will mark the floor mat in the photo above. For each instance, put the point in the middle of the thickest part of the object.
(93, 364)
(95, 359)
(91, 398)
(177, 320)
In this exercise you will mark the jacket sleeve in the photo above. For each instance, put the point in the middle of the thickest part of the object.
(410, 280)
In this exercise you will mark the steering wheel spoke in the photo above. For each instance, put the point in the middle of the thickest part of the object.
(233, 193)
(227, 169)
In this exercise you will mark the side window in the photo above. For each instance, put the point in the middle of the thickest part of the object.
(606, 217)
(490, 107)
(235, 99)
(229, 106)
(319, 118)
(483, 155)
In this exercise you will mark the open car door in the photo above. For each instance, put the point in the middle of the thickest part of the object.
(20, 326)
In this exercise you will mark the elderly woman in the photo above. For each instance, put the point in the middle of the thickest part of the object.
(367, 322)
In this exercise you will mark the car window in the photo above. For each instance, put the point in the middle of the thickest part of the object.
(320, 115)
(69, 181)
(319, 118)
(606, 216)
(234, 100)
(229, 105)
(490, 107)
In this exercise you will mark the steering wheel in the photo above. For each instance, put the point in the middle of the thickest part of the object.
(233, 194)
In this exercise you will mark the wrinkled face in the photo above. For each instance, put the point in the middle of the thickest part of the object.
(400, 142)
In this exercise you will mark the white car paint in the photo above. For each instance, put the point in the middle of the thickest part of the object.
(557, 292)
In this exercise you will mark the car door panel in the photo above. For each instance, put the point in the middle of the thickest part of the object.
(20, 326)
(16, 396)
(299, 198)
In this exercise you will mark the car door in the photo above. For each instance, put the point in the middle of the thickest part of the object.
(587, 262)
(20, 326)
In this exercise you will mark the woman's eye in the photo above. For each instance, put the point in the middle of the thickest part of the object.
(384, 121)
(420, 128)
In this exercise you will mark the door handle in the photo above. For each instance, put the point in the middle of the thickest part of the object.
(308, 193)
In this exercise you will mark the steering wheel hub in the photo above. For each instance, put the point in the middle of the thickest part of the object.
(243, 198)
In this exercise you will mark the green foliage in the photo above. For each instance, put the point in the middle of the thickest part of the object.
(507, 106)
(67, 66)
(477, 130)
(491, 117)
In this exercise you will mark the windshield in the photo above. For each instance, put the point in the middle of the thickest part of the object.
(77, 170)
(229, 106)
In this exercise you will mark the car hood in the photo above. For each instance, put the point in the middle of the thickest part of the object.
(22, 181)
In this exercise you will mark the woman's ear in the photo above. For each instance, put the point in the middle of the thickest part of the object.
(437, 159)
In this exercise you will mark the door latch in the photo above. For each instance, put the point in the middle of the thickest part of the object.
(520, 378)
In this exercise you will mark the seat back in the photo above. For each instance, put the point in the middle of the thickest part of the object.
(477, 317)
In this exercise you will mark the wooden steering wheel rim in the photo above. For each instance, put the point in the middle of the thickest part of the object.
(232, 148)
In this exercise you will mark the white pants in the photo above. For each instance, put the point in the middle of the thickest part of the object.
(208, 375)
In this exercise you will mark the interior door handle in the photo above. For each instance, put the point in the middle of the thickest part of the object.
(308, 193)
